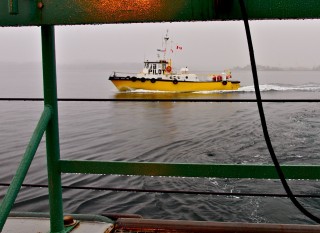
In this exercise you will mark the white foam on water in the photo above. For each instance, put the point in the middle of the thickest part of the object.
(263, 88)
(147, 91)
(274, 87)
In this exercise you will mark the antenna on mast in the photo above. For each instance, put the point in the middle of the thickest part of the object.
(166, 38)
(164, 47)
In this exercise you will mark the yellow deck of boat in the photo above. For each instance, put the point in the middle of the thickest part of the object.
(169, 86)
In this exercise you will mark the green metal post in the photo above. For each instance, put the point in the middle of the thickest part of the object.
(13, 7)
(52, 132)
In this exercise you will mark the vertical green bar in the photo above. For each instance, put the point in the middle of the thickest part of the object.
(52, 132)
(13, 7)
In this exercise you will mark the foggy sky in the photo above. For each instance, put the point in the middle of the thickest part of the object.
(205, 45)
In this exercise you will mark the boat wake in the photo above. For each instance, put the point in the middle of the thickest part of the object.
(275, 87)
(148, 91)
(269, 88)
(244, 89)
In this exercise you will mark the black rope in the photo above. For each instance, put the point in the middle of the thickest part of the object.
(167, 100)
(246, 194)
(263, 120)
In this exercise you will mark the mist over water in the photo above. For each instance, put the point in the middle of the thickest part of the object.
(226, 133)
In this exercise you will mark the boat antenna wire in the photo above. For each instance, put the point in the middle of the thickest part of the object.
(263, 119)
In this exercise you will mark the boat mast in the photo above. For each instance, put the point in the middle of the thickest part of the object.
(166, 38)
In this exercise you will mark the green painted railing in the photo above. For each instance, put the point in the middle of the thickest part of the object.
(62, 12)
(255, 171)
(23, 168)
(52, 132)
(47, 13)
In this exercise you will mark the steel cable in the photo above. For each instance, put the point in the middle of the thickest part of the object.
(245, 194)
(168, 100)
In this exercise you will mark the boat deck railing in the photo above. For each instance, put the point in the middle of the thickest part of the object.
(47, 13)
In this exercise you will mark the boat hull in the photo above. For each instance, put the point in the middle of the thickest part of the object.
(172, 86)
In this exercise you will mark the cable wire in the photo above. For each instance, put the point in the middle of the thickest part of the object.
(168, 100)
(263, 120)
(190, 192)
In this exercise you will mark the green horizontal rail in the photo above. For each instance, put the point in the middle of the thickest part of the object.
(24, 165)
(189, 170)
(61, 12)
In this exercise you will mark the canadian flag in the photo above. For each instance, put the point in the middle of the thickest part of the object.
(179, 47)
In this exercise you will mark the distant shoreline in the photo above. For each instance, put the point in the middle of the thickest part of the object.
(274, 68)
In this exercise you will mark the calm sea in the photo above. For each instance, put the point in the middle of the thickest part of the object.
(185, 132)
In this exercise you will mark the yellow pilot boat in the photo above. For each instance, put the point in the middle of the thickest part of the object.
(160, 76)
